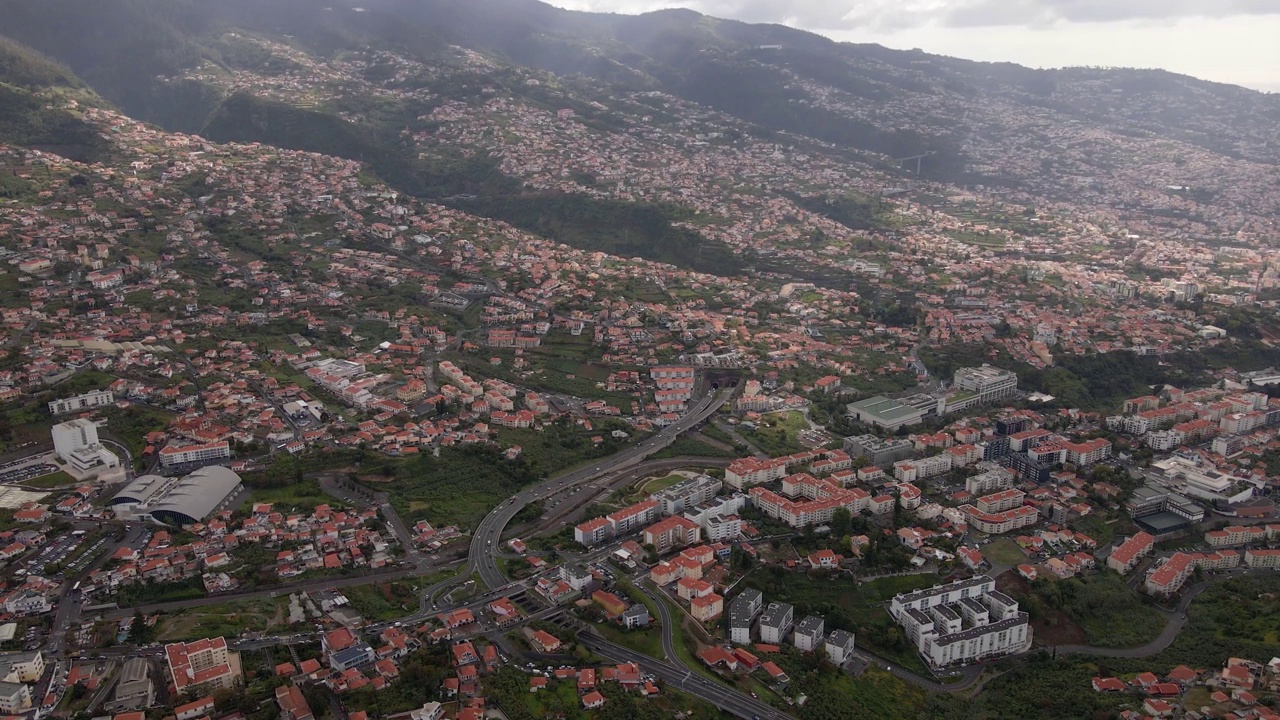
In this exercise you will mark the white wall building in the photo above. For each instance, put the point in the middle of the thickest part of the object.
(87, 401)
(76, 444)
(962, 621)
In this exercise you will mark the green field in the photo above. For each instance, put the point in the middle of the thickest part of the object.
(52, 480)
(1103, 605)
(228, 619)
(383, 600)
(777, 434)
(1004, 552)
(303, 497)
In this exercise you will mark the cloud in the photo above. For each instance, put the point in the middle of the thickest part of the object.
(822, 15)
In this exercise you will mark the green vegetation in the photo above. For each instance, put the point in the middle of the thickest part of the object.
(1102, 381)
(1237, 617)
(510, 690)
(1004, 552)
(152, 592)
(301, 497)
(834, 695)
(422, 675)
(1043, 688)
(854, 211)
(383, 600)
(561, 445)
(626, 229)
(1103, 605)
(459, 487)
(229, 619)
(131, 425)
(52, 480)
(28, 120)
(777, 434)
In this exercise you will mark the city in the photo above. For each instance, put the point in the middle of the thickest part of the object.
(425, 382)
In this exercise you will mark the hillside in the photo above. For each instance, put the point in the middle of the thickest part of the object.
(39, 102)
(437, 97)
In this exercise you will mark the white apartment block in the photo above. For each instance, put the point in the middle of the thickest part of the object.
(988, 382)
(208, 452)
(999, 478)
(87, 401)
(962, 621)
(686, 494)
(921, 468)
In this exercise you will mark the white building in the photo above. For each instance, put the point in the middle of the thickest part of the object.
(776, 623)
(190, 454)
(962, 621)
(839, 646)
(87, 401)
(809, 634)
(990, 383)
(76, 444)
(686, 494)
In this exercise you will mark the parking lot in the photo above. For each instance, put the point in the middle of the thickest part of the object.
(23, 470)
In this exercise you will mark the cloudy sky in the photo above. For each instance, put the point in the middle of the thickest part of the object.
(1234, 41)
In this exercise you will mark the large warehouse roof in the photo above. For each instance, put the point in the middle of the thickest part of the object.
(196, 495)
(143, 489)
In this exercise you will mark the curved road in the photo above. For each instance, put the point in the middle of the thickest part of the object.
(678, 676)
(489, 532)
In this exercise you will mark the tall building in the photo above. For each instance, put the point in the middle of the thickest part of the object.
(990, 383)
(742, 615)
(76, 443)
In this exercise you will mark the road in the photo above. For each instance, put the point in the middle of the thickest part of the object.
(676, 675)
(489, 532)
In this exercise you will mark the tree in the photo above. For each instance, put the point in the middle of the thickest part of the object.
(841, 522)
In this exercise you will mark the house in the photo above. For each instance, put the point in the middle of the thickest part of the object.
(636, 616)
(544, 642)
(293, 706)
(825, 560)
(592, 700)
(1109, 684)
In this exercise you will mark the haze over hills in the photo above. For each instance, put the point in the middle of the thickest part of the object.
(855, 96)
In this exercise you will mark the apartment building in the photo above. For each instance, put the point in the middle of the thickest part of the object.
(1000, 522)
(672, 533)
(1130, 552)
(79, 403)
(809, 634)
(205, 664)
(1000, 501)
(962, 621)
(742, 615)
(993, 480)
(686, 494)
(189, 454)
(776, 622)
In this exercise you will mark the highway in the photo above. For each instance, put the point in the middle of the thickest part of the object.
(488, 534)
(676, 675)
